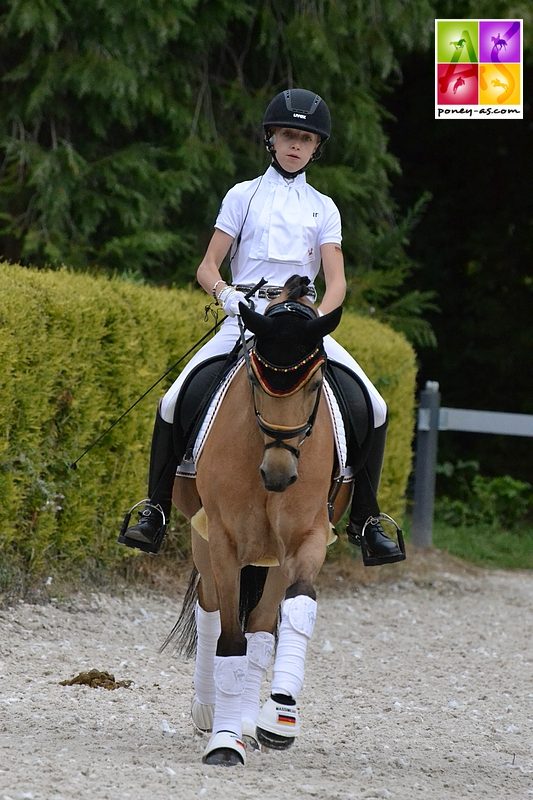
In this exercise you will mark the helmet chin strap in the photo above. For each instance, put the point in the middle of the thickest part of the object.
(286, 174)
(277, 166)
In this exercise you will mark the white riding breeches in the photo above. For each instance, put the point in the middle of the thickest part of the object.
(224, 341)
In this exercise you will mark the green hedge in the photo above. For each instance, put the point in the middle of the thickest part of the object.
(390, 362)
(75, 351)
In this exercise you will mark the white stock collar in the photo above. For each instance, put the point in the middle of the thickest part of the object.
(274, 176)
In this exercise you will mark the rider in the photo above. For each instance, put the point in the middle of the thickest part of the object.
(274, 226)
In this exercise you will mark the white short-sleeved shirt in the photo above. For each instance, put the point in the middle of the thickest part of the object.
(286, 222)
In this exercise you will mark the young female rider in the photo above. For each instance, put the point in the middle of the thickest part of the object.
(276, 225)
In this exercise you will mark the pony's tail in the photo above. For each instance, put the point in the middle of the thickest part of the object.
(183, 635)
(252, 585)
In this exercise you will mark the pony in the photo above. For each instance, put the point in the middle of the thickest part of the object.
(260, 528)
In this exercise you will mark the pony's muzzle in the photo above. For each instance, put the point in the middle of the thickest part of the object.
(278, 470)
(277, 484)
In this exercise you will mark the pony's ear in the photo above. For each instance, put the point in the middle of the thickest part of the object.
(321, 326)
(256, 323)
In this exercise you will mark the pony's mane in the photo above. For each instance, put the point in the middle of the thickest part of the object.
(296, 287)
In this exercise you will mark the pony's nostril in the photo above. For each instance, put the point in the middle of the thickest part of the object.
(292, 480)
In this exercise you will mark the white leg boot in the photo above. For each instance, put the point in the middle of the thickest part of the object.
(226, 745)
(203, 703)
(278, 723)
(260, 652)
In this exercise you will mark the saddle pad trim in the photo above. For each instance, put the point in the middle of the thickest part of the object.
(339, 432)
(187, 469)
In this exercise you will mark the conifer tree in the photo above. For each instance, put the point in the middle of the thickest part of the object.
(123, 123)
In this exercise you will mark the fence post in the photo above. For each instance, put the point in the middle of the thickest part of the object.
(425, 464)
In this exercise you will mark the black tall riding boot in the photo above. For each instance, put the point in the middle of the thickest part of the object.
(149, 531)
(378, 547)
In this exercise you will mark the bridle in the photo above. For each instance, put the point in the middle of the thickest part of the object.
(279, 433)
(258, 369)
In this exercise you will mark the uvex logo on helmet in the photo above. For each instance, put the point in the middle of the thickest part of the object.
(300, 116)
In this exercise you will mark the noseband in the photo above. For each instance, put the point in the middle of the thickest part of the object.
(263, 373)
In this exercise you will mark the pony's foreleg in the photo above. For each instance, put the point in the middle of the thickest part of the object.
(278, 723)
(262, 623)
(298, 615)
(260, 652)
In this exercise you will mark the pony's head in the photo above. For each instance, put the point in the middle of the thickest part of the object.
(287, 365)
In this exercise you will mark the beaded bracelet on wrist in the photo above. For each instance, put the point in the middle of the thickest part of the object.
(214, 289)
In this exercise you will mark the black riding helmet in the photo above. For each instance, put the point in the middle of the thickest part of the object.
(300, 109)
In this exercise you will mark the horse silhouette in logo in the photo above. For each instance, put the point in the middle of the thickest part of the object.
(459, 44)
(498, 42)
(459, 82)
(497, 82)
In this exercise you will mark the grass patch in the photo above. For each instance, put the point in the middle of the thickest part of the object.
(487, 546)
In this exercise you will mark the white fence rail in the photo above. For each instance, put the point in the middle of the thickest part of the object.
(432, 419)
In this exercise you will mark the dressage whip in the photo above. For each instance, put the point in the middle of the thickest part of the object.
(74, 464)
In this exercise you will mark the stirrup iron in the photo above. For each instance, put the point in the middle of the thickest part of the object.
(154, 546)
(371, 560)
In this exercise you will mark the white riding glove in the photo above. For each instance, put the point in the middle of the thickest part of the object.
(229, 298)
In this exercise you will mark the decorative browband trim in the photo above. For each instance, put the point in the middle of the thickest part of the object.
(292, 368)
(270, 377)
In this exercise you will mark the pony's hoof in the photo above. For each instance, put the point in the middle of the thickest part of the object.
(277, 725)
(273, 741)
(249, 736)
(252, 744)
(225, 749)
(224, 757)
(202, 715)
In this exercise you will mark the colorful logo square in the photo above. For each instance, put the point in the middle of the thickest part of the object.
(500, 41)
(457, 40)
(457, 84)
(499, 84)
(478, 69)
